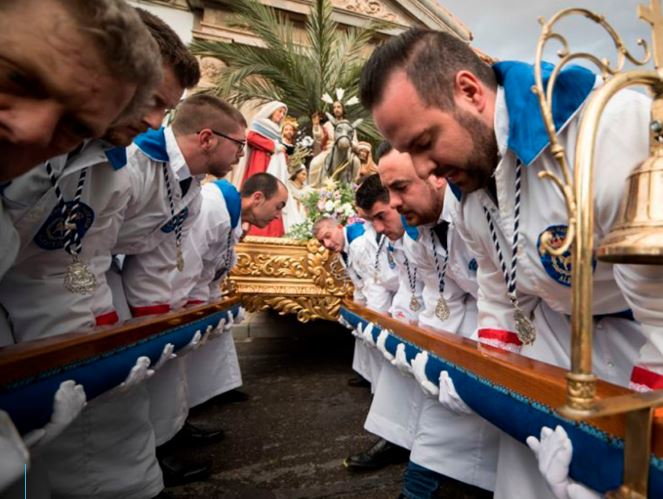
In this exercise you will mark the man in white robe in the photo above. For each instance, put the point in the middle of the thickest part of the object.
(480, 127)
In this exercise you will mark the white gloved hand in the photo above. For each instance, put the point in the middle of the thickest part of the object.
(577, 491)
(166, 355)
(241, 315)
(68, 402)
(381, 344)
(358, 332)
(13, 451)
(192, 345)
(229, 322)
(367, 333)
(419, 372)
(139, 373)
(206, 335)
(449, 397)
(400, 360)
(553, 451)
(220, 328)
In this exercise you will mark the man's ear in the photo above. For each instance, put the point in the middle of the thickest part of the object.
(205, 139)
(438, 182)
(258, 197)
(469, 90)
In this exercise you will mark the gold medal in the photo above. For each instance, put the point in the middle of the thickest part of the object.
(524, 328)
(414, 304)
(79, 279)
(442, 309)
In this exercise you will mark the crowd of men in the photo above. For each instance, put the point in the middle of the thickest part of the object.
(104, 216)
(452, 242)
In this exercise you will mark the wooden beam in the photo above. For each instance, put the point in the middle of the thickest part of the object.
(535, 380)
(31, 358)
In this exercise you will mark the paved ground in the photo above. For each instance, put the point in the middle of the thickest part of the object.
(289, 440)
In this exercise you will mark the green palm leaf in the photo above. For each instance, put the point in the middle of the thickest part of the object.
(296, 73)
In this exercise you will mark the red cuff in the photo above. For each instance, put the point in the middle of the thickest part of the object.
(150, 310)
(500, 338)
(644, 380)
(192, 303)
(107, 319)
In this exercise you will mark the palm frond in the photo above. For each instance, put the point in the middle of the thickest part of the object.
(280, 68)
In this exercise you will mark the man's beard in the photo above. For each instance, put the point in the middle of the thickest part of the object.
(483, 158)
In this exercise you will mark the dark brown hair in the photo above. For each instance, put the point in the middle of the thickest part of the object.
(430, 60)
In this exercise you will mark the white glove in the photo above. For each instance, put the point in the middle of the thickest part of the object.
(166, 355)
(229, 322)
(358, 332)
(400, 361)
(192, 345)
(419, 372)
(367, 333)
(206, 335)
(449, 397)
(220, 328)
(553, 451)
(241, 315)
(13, 451)
(68, 403)
(577, 491)
(381, 344)
(343, 322)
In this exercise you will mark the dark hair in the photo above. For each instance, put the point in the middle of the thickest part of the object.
(266, 183)
(173, 52)
(370, 192)
(383, 149)
(430, 60)
(200, 111)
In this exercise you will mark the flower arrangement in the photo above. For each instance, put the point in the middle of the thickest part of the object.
(334, 199)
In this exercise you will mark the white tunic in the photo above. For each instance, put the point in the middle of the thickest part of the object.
(372, 261)
(42, 263)
(394, 411)
(214, 368)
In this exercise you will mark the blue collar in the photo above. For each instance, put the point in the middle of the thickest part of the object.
(117, 157)
(233, 200)
(354, 230)
(527, 133)
(413, 232)
(153, 145)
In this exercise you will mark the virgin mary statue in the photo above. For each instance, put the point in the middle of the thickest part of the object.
(265, 153)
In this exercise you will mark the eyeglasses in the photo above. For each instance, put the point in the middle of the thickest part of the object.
(240, 143)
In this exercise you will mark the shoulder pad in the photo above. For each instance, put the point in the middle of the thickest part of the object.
(354, 231)
(117, 157)
(233, 200)
(413, 232)
(153, 144)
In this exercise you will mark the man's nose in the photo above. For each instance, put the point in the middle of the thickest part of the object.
(154, 118)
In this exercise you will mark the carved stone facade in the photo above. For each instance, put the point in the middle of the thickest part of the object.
(209, 19)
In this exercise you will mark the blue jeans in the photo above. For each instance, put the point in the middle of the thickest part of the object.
(420, 482)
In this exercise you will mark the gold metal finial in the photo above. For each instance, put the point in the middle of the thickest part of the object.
(653, 16)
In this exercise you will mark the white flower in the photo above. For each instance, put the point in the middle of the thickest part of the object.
(329, 206)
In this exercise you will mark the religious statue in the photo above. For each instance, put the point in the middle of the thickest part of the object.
(367, 165)
(265, 152)
(336, 158)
